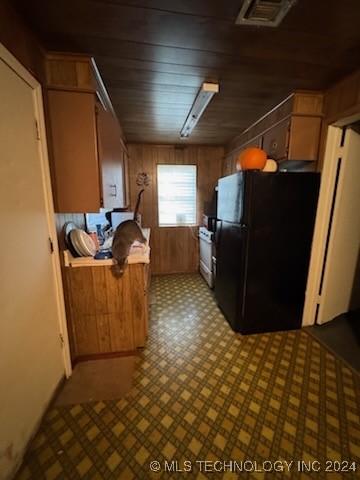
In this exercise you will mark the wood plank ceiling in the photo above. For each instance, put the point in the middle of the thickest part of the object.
(154, 55)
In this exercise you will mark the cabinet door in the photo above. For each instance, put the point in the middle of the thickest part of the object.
(111, 159)
(73, 147)
(276, 140)
(126, 178)
(304, 138)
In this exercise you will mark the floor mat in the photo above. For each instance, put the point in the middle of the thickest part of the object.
(96, 380)
(341, 336)
(203, 393)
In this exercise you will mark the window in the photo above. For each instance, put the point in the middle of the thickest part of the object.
(176, 194)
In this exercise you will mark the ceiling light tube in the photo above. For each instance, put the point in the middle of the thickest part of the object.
(205, 94)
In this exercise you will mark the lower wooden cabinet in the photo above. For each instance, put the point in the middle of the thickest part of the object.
(106, 315)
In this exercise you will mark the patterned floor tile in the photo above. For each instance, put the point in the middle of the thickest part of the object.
(204, 394)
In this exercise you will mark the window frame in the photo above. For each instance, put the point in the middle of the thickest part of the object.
(180, 225)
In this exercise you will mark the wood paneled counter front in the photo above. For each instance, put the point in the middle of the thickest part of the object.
(106, 315)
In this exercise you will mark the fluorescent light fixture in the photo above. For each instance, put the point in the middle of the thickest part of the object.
(206, 92)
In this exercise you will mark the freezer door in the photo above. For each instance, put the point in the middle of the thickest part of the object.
(231, 198)
(230, 272)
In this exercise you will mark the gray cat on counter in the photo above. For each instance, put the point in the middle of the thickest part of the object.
(125, 235)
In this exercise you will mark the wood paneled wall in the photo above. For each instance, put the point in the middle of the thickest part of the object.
(341, 101)
(173, 249)
(20, 41)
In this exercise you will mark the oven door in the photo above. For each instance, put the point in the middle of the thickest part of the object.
(207, 274)
(206, 253)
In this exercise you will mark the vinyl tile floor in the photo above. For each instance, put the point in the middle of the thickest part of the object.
(204, 394)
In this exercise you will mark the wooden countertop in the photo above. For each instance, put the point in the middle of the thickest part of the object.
(143, 257)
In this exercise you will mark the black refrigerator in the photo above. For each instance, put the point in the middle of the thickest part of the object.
(263, 242)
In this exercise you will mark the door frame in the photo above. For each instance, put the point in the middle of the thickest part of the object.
(334, 149)
(39, 119)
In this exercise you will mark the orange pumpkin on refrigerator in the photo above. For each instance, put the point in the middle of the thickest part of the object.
(252, 158)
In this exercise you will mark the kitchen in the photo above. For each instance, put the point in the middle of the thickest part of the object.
(113, 96)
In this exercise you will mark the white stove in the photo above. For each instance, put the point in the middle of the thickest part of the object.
(206, 255)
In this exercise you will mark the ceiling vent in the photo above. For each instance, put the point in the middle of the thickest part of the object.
(266, 13)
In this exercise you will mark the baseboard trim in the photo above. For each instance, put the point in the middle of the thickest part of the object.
(187, 272)
(103, 356)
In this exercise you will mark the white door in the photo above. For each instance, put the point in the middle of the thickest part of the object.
(31, 358)
(344, 235)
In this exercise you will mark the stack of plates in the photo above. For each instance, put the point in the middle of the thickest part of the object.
(68, 226)
(82, 243)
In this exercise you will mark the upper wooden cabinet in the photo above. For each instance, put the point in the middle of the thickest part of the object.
(296, 138)
(291, 131)
(276, 141)
(111, 157)
(304, 138)
(74, 151)
(86, 144)
(72, 72)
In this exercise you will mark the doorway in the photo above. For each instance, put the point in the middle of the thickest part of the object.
(334, 265)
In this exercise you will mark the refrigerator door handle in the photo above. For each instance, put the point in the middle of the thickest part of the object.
(217, 232)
